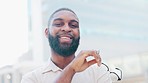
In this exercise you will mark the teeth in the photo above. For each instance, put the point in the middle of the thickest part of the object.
(65, 37)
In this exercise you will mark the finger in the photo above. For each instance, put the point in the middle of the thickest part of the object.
(100, 60)
(93, 53)
(97, 57)
(86, 53)
(91, 62)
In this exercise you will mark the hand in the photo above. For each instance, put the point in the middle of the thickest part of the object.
(80, 63)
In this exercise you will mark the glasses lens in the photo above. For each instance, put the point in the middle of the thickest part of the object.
(114, 77)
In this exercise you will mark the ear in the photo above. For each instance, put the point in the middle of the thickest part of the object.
(46, 32)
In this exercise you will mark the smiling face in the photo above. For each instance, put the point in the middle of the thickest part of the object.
(63, 33)
(66, 25)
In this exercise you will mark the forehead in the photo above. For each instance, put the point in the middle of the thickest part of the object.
(65, 15)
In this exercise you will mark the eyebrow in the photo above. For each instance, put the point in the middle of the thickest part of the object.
(58, 19)
(74, 21)
(62, 20)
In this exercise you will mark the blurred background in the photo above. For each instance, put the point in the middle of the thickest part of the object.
(118, 28)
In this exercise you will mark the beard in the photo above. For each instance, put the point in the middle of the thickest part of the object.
(63, 49)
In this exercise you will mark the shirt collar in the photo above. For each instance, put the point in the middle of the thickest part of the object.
(50, 67)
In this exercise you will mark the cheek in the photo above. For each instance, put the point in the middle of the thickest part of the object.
(76, 33)
(54, 31)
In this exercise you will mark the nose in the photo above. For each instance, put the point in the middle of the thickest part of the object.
(66, 28)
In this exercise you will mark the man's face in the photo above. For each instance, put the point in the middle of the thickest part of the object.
(64, 33)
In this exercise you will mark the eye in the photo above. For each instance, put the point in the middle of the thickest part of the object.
(58, 24)
(73, 25)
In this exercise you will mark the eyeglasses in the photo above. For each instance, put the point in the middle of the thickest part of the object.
(118, 77)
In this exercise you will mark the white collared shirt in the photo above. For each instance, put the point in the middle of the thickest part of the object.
(49, 72)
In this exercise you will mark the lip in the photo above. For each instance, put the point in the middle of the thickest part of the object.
(65, 38)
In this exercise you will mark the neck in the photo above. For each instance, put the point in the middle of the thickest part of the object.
(61, 61)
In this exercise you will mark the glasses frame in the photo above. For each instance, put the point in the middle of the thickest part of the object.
(119, 78)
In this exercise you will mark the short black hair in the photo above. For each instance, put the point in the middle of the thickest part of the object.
(60, 9)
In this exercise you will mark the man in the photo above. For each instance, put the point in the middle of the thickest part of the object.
(64, 67)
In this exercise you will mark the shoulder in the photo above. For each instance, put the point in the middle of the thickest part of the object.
(98, 69)
(95, 73)
(34, 72)
(33, 76)
(100, 73)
